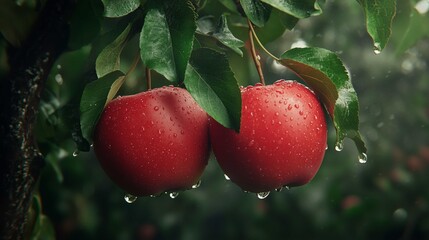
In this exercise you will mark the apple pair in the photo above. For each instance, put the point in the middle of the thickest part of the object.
(159, 141)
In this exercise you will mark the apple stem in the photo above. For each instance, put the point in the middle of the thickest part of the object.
(148, 79)
(259, 42)
(255, 55)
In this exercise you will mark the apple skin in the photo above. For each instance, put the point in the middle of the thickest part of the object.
(282, 140)
(153, 141)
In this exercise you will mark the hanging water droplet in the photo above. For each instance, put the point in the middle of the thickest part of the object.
(326, 148)
(339, 146)
(130, 198)
(263, 195)
(173, 195)
(363, 157)
(76, 153)
(279, 189)
(226, 177)
(377, 48)
(196, 185)
(92, 145)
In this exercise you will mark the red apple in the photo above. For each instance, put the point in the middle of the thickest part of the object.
(282, 140)
(154, 141)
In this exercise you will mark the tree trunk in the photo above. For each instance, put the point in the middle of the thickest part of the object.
(21, 161)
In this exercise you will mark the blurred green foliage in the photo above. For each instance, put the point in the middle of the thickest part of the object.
(386, 198)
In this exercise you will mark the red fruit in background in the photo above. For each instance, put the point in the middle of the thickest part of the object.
(153, 141)
(282, 139)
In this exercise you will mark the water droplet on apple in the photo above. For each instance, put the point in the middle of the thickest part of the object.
(130, 198)
(298, 95)
(226, 177)
(196, 185)
(289, 107)
(173, 195)
(76, 153)
(296, 105)
(263, 195)
(363, 157)
(310, 105)
(326, 148)
(280, 91)
(339, 146)
(301, 112)
(251, 143)
(156, 108)
(258, 84)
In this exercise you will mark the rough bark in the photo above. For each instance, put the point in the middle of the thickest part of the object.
(20, 159)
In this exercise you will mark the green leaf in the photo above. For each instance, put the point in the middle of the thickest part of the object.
(95, 96)
(109, 59)
(257, 12)
(115, 8)
(416, 29)
(296, 8)
(212, 84)
(221, 32)
(379, 16)
(167, 37)
(324, 72)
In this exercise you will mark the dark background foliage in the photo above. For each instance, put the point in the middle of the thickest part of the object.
(386, 198)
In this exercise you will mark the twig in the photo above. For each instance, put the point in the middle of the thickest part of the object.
(148, 79)
(255, 56)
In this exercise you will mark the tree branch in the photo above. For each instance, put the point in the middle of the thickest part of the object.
(21, 161)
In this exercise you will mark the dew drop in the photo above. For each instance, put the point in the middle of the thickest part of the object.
(377, 48)
(130, 198)
(251, 143)
(263, 195)
(310, 105)
(279, 189)
(276, 113)
(326, 148)
(76, 153)
(173, 195)
(339, 146)
(156, 108)
(197, 185)
(289, 107)
(226, 177)
(298, 95)
(301, 113)
(363, 157)
(296, 105)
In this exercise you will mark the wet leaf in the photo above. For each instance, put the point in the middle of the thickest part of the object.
(109, 59)
(95, 96)
(214, 87)
(257, 12)
(325, 73)
(167, 37)
(221, 32)
(296, 8)
(114, 8)
(379, 16)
